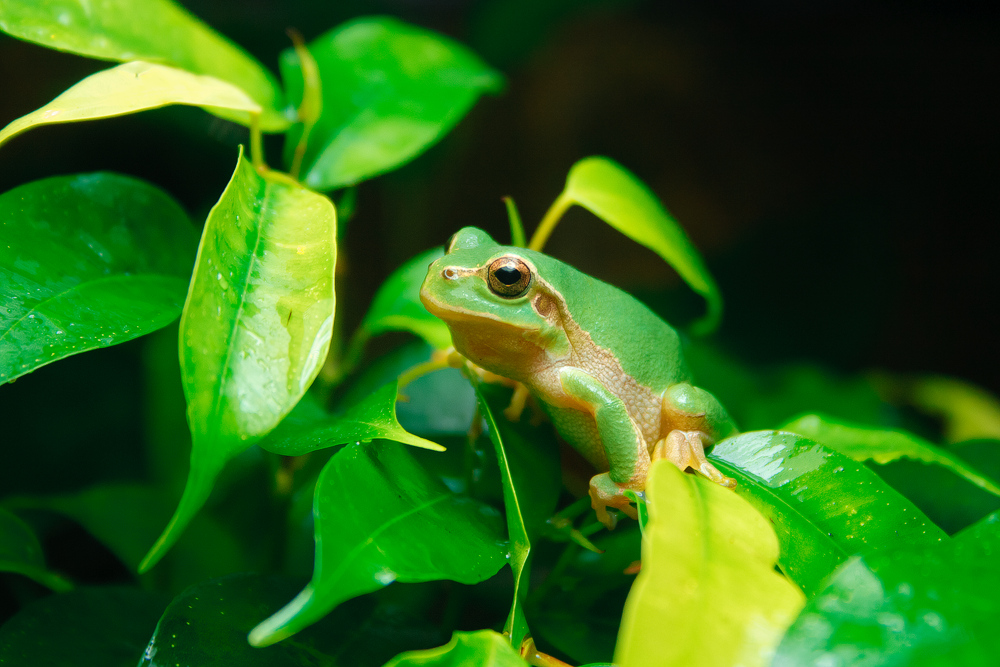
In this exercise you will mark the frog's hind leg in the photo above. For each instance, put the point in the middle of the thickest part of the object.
(695, 418)
(685, 450)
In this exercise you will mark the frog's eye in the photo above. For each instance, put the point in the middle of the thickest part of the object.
(508, 277)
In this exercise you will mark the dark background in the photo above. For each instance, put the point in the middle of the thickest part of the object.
(836, 162)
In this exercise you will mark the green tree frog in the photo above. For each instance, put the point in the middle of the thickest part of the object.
(608, 371)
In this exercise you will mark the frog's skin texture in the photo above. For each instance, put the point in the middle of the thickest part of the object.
(606, 369)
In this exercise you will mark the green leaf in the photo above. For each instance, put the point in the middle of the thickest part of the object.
(483, 648)
(862, 443)
(397, 307)
(89, 627)
(158, 31)
(516, 627)
(257, 322)
(948, 500)
(309, 427)
(21, 553)
(617, 196)
(707, 593)
(390, 90)
(381, 518)
(137, 86)
(931, 606)
(823, 506)
(87, 261)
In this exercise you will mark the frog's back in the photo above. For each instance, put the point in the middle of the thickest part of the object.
(647, 347)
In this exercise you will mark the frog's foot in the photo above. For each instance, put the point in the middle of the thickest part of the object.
(605, 493)
(517, 401)
(685, 450)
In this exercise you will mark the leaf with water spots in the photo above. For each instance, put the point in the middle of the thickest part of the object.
(87, 261)
(256, 325)
(824, 506)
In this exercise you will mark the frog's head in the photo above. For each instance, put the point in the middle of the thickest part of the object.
(501, 312)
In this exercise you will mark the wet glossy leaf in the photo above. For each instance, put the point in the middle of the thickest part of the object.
(390, 90)
(931, 606)
(823, 506)
(578, 608)
(707, 593)
(256, 325)
(21, 553)
(381, 518)
(397, 307)
(87, 261)
(89, 627)
(309, 427)
(159, 31)
(484, 648)
(618, 197)
(514, 486)
(862, 443)
(132, 87)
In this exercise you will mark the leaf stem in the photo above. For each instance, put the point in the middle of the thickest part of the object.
(516, 228)
(312, 99)
(550, 220)
(256, 144)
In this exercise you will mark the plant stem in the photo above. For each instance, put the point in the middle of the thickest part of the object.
(549, 222)
(256, 144)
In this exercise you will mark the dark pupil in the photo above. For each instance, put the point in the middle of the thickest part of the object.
(508, 275)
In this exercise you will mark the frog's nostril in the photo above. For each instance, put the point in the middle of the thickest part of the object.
(449, 273)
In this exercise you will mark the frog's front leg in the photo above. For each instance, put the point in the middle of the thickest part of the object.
(625, 448)
(695, 418)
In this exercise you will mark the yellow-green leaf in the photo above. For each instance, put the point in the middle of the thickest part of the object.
(484, 648)
(617, 196)
(158, 31)
(708, 594)
(132, 87)
(257, 322)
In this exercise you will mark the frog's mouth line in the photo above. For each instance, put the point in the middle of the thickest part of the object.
(461, 315)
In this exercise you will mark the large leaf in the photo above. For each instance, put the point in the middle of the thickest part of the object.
(87, 261)
(390, 90)
(89, 627)
(931, 606)
(707, 593)
(309, 427)
(514, 486)
(618, 197)
(484, 648)
(824, 506)
(257, 322)
(381, 518)
(20, 552)
(397, 307)
(862, 443)
(159, 31)
(132, 87)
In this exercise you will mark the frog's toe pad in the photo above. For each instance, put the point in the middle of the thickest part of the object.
(605, 493)
(685, 450)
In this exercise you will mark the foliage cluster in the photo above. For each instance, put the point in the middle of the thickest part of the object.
(327, 491)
